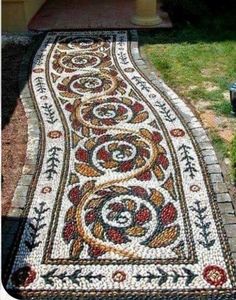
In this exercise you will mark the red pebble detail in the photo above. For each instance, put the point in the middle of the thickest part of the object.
(115, 236)
(103, 155)
(168, 214)
(137, 107)
(139, 191)
(126, 166)
(163, 161)
(90, 217)
(69, 107)
(116, 206)
(142, 216)
(96, 251)
(156, 137)
(215, 275)
(74, 195)
(69, 232)
(145, 176)
(82, 155)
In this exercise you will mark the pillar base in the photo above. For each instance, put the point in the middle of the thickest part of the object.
(146, 21)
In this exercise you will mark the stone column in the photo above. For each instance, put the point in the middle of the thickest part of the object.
(146, 13)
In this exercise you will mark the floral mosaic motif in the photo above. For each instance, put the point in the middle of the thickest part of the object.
(70, 62)
(46, 190)
(119, 153)
(162, 276)
(142, 83)
(50, 113)
(35, 225)
(165, 111)
(55, 134)
(190, 166)
(84, 44)
(215, 275)
(97, 115)
(177, 132)
(119, 276)
(52, 162)
(40, 85)
(74, 277)
(94, 83)
(120, 215)
(203, 225)
(23, 276)
(124, 152)
(111, 111)
(195, 188)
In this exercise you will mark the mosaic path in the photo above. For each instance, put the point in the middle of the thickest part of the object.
(120, 203)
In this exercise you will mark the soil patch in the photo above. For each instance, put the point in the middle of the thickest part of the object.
(14, 123)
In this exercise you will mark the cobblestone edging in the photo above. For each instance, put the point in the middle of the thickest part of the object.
(16, 215)
(224, 200)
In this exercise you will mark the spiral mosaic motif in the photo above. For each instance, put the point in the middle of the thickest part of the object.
(84, 44)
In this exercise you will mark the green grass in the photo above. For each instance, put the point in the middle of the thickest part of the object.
(202, 56)
(199, 62)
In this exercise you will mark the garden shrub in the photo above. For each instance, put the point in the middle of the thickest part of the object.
(193, 10)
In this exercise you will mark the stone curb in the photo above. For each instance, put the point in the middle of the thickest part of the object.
(223, 198)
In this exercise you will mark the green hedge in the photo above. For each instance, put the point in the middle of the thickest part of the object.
(195, 9)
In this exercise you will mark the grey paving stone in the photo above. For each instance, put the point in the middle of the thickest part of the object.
(231, 230)
(18, 202)
(29, 169)
(21, 191)
(203, 138)
(210, 159)
(15, 212)
(232, 243)
(216, 178)
(25, 180)
(234, 256)
(7, 246)
(140, 62)
(229, 218)
(226, 208)
(208, 152)
(25, 92)
(225, 197)
(198, 132)
(31, 160)
(220, 187)
(215, 168)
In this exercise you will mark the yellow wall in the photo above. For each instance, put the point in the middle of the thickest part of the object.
(16, 14)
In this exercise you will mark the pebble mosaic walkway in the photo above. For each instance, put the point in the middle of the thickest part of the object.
(118, 194)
